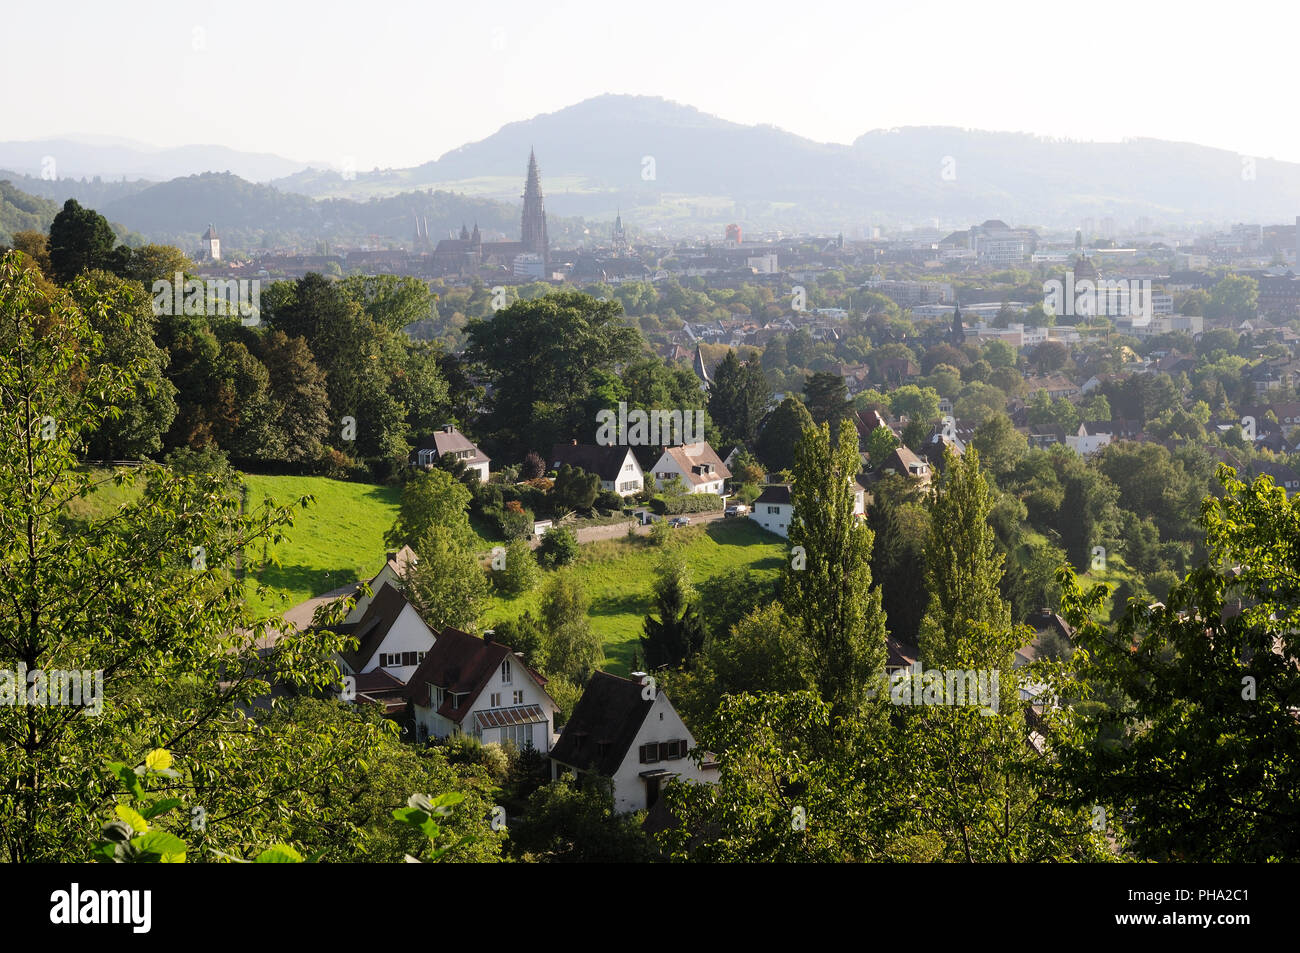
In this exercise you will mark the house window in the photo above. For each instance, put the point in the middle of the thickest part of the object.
(518, 698)
(649, 753)
(505, 672)
(521, 735)
(408, 658)
(495, 700)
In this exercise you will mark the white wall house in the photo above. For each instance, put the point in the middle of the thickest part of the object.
(391, 636)
(395, 566)
(634, 743)
(468, 685)
(774, 512)
(695, 464)
(616, 465)
(450, 440)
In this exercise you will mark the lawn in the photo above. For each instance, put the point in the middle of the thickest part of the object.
(617, 576)
(334, 541)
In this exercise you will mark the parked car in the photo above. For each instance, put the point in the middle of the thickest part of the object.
(737, 509)
(680, 521)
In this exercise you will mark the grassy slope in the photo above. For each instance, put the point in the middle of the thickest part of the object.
(617, 575)
(339, 539)
(334, 541)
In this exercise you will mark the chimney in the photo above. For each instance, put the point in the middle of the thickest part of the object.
(488, 635)
(448, 428)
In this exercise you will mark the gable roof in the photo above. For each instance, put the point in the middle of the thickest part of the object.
(372, 627)
(603, 725)
(451, 440)
(461, 664)
(688, 456)
(776, 493)
(605, 462)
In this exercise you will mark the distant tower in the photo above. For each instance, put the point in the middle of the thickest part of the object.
(619, 236)
(464, 232)
(533, 227)
(958, 335)
(475, 235)
(210, 245)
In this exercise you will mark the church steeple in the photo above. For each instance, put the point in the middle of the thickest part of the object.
(958, 335)
(533, 225)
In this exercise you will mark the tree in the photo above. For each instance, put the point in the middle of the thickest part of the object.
(914, 403)
(559, 547)
(898, 566)
(81, 240)
(1000, 445)
(298, 400)
(431, 498)
(829, 591)
(575, 489)
(1235, 296)
(524, 635)
(963, 569)
(564, 823)
(1049, 356)
(446, 584)
(881, 442)
(673, 639)
(540, 357)
(126, 328)
(520, 573)
(738, 397)
(532, 467)
(1199, 759)
(827, 398)
(572, 648)
(782, 430)
(143, 602)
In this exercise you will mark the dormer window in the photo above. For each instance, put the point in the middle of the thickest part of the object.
(505, 672)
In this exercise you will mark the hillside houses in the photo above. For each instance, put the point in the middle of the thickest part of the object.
(629, 737)
(616, 465)
(697, 466)
(474, 686)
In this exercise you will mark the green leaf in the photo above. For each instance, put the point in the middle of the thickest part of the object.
(169, 848)
(132, 817)
(159, 759)
(162, 807)
(278, 854)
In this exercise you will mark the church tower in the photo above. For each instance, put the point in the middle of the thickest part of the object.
(210, 245)
(533, 230)
(619, 236)
(957, 337)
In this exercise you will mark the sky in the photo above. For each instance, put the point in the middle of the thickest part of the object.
(392, 84)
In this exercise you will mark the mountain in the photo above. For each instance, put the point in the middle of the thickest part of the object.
(249, 216)
(708, 170)
(115, 158)
(20, 211)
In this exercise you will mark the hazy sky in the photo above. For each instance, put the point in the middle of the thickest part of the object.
(398, 83)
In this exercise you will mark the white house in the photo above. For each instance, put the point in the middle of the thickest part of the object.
(696, 465)
(468, 685)
(1092, 435)
(631, 736)
(616, 465)
(396, 565)
(904, 462)
(391, 636)
(450, 440)
(774, 511)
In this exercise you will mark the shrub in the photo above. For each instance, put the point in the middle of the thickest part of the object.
(609, 500)
(689, 503)
(559, 547)
(520, 574)
(660, 532)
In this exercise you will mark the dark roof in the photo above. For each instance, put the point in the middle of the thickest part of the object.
(370, 630)
(776, 493)
(603, 725)
(460, 664)
(900, 654)
(605, 462)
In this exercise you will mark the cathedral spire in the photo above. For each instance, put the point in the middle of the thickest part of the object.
(533, 225)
